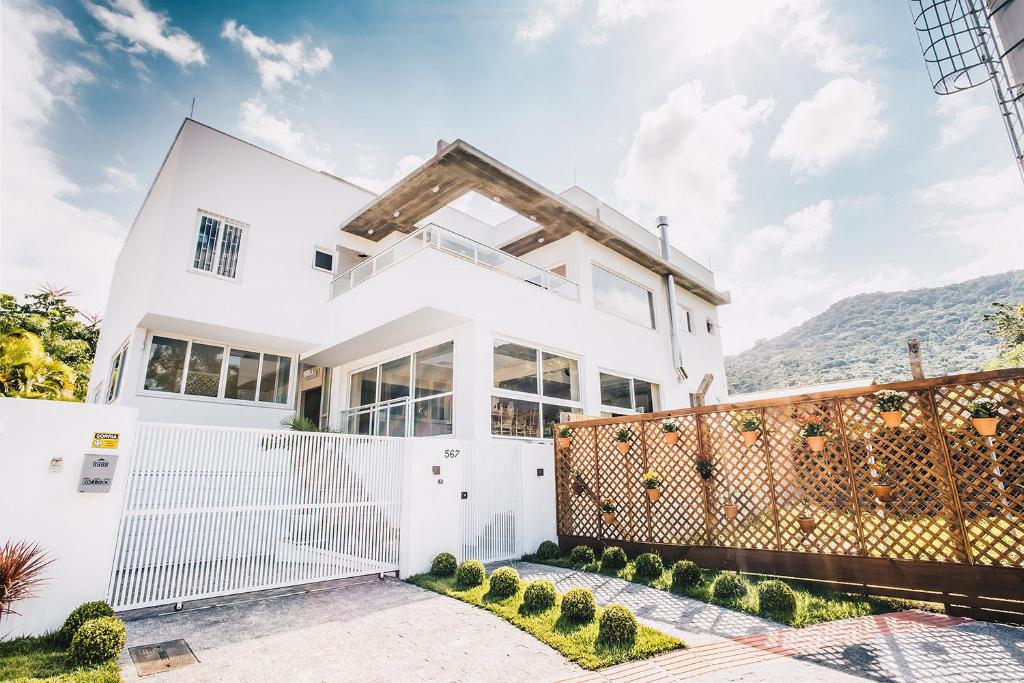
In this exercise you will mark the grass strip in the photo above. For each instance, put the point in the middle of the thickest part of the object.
(41, 658)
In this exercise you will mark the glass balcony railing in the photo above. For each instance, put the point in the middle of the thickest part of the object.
(435, 237)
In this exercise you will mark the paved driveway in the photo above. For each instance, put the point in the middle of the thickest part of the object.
(367, 631)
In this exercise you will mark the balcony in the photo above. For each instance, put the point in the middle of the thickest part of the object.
(444, 240)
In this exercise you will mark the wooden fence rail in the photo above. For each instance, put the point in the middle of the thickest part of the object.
(957, 501)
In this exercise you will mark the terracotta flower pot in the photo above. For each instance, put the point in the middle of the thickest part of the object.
(654, 494)
(563, 442)
(623, 447)
(986, 426)
(807, 524)
(671, 438)
(577, 487)
(749, 437)
(816, 443)
(883, 492)
(893, 418)
(608, 517)
(731, 511)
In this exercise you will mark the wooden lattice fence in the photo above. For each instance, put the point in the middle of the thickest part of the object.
(951, 532)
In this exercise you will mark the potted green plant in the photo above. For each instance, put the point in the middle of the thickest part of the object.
(652, 482)
(890, 404)
(880, 488)
(564, 436)
(608, 510)
(731, 509)
(984, 416)
(577, 482)
(703, 467)
(670, 432)
(813, 432)
(749, 425)
(622, 438)
(806, 522)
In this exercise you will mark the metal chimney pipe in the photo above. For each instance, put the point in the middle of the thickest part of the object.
(673, 308)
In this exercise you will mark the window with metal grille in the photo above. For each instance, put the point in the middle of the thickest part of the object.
(218, 246)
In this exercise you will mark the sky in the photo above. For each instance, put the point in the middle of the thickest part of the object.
(796, 145)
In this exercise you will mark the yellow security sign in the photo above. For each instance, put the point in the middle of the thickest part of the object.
(105, 440)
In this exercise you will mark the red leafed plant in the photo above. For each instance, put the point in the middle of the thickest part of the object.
(21, 572)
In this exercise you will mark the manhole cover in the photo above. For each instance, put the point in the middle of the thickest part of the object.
(152, 659)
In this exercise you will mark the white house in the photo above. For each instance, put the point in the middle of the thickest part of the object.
(251, 287)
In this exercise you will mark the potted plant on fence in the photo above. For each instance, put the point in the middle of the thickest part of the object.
(608, 510)
(804, 519)
(731, 509)
(564, 434)
(749, 425)
(577, 482)
(813, 432)
(703, 467)
(652, 482)
(881, 490)
(671, 432)
(984, 416)
(623, 437)
(890, 404)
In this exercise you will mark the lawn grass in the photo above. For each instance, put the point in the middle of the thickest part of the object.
(814, 604)
(578, 643)
(42, 659)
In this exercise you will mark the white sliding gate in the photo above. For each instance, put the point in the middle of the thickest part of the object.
(492, 513)
(214, 510)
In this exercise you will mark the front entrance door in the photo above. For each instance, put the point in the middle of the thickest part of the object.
(311, 404)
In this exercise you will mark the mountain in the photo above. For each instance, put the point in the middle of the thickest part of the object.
(866, 336)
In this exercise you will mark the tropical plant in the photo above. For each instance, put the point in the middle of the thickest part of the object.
(704, 468)
(564, 432)
(21, 573)
(28, 371)
(983, 408)
(607, 505)
(668, 426)
(652, 480)
(812, 426)
(889, 401)
(301, 423)
(623, 436)
(748, 422)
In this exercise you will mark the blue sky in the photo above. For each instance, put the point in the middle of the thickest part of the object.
(795, 144)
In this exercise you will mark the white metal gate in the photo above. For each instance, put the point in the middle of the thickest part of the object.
(492, 526)
(214, 510)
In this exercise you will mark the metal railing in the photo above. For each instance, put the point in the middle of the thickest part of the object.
(442, 239)
(384, 418)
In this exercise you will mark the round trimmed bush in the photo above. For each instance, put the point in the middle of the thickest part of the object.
(97, 640)
(578, 605)
(617, 626)
(685, 574)
(470, 573)
(649, 566)
(505, 582)
(443, 565)
(776, 597)
(80, 615)
(582, 554)
(548, 550)
(730, 586)
(614, 557)
(539, 596)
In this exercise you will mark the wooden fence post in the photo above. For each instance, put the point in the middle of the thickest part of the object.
(854, 494)
(704, 482)
(771, 479)
(953, 491)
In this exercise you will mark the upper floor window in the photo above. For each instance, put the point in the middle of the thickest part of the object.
(711, 326)
(532, 388)
(685, 320)
(116, 371)
(627, 395)
(616, 295)
(323, 259)
(218, 245)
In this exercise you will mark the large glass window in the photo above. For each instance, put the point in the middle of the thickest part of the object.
(204, 363)
(116, 372)
(218, 246)
(435, 370)
(616, 295)
(274, 378)
(532, 387)
(166, 364)
(243, 375)
(627, 395)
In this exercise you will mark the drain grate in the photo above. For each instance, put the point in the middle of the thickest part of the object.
(152, 659)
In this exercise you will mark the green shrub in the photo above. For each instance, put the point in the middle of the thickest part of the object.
(776, 597)
(730, 586)
(617, 626)
(97, 640)
(649, 566)
(582, 554)
(505, 582)
(685, 574)
(539, 596)
(614, 557)
(470, 573)
(443, 565)
(548, 550)
(80, 615)
(578, 605)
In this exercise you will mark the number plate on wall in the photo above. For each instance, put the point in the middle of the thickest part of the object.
(97, 473)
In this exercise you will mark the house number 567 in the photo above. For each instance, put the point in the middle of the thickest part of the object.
(452, 453)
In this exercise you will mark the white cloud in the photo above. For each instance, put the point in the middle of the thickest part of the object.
(144, 30)
(810, 33)
(801, 233)
(683, 158)
(963, 115)
(842, 118)
(278, 62)
(118, 180)
(545, 19)
(45, 236)
(257, 124)
(403, 167)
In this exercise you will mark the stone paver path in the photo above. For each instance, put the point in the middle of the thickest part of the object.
(372, 631)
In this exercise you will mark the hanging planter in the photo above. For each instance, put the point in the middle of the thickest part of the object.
(749, 425)
(564, 437)
(704, 468)
(608, 510)
(622, 438)
(813, 432)
(577, 483)
(890, 404)
(883, 492)
(731, 511)
(807, 524)
(670, 432)
(984, 416)
(652, 482)
(880, 488)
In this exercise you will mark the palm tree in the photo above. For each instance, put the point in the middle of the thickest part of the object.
(27, 371)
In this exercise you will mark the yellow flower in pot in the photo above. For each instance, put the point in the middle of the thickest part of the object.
(881, 490)
(622, 438)
(564, 437)
(813, 432)
(670, 432)
(608, 510)
(890, 404)
(652, 482)
(984, 416)
(749, 425)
